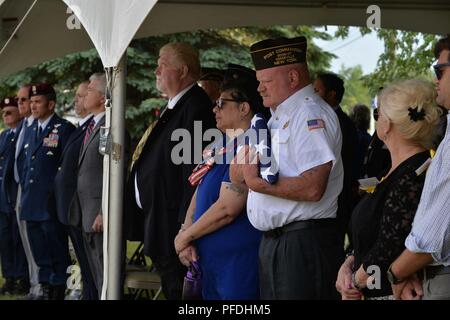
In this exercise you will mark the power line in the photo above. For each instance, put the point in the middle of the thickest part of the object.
(346, 44)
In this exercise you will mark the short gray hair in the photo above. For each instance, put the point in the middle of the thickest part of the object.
(101, 78)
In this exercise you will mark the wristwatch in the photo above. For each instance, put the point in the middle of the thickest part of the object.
(392, 278)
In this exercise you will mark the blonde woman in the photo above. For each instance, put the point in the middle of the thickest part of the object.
(405, 121)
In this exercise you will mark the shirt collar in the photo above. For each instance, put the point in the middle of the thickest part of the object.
(83, 121)
(174, 100)
(44, 124)
(98, 117)
(30, 120)
(290, 104)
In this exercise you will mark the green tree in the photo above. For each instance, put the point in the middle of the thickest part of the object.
(406, 55)
(217, 49)
(356, 90)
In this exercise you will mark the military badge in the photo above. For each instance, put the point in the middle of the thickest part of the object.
(34, 89)
(6, 101)
(51, 141)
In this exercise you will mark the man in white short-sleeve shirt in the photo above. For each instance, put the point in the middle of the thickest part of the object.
(299, 252)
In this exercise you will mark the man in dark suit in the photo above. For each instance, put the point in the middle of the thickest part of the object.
(158, 189)
(86, 206)
(13, 260)
(48, 238)
(65, 187)
(331, 88)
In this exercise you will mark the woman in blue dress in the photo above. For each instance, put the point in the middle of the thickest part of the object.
(217, 233)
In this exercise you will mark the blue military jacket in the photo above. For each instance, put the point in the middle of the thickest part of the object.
(21, 150)
(8, 190)
(43, 156)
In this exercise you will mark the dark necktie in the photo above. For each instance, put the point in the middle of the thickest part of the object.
(89, 131)
(38, 133)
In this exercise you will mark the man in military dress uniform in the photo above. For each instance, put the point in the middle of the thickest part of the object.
(22, 143)
(13, 260)
(48, 238)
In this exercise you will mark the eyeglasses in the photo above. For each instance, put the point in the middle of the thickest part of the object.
(21, 99)
(438, 69)
(7, 113)
(375, 114)
(220, 102)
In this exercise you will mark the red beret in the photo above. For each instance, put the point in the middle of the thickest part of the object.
(8, 102)
(41, 89)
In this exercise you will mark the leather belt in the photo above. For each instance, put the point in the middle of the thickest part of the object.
(298, 225)
(432, 271)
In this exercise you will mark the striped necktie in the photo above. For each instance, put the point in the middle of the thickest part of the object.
(89, 130)
(137, 152)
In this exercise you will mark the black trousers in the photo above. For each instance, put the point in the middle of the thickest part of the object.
(93, 247)
(89, 287)
(172, 274)
(300, 264)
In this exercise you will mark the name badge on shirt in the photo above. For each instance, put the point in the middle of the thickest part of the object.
(51, 141)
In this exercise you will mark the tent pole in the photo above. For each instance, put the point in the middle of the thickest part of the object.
(117, 175)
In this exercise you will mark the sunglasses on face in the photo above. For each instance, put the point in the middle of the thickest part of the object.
(221, 102)
(21, 99)
(438, 69)
(6, 113)
(375, 114)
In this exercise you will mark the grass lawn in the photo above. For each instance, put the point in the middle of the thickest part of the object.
(131, 248)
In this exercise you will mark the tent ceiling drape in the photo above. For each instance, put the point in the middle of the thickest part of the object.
(44, 34)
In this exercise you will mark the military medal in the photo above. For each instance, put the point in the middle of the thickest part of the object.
(51, 141)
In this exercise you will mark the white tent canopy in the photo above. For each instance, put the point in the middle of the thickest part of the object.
(44, 34)
(49, 30)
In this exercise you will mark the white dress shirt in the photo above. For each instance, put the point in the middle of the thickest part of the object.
(44, 124)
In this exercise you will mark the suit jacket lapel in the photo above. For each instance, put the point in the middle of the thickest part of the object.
(91, 138)
(170, 112)
(81, 130)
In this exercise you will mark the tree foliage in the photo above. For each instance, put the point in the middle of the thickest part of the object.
(217, 48)
(356, 90)
(406, 54)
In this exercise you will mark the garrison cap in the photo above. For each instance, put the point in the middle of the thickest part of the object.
(271, 53)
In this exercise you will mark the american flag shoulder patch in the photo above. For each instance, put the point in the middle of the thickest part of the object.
(316, 124)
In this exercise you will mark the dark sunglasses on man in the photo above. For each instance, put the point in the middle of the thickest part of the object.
(7, 113)
(438, 69)
(21, 99)
(375, 114)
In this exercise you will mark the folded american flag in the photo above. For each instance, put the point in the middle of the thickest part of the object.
(260, 140)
